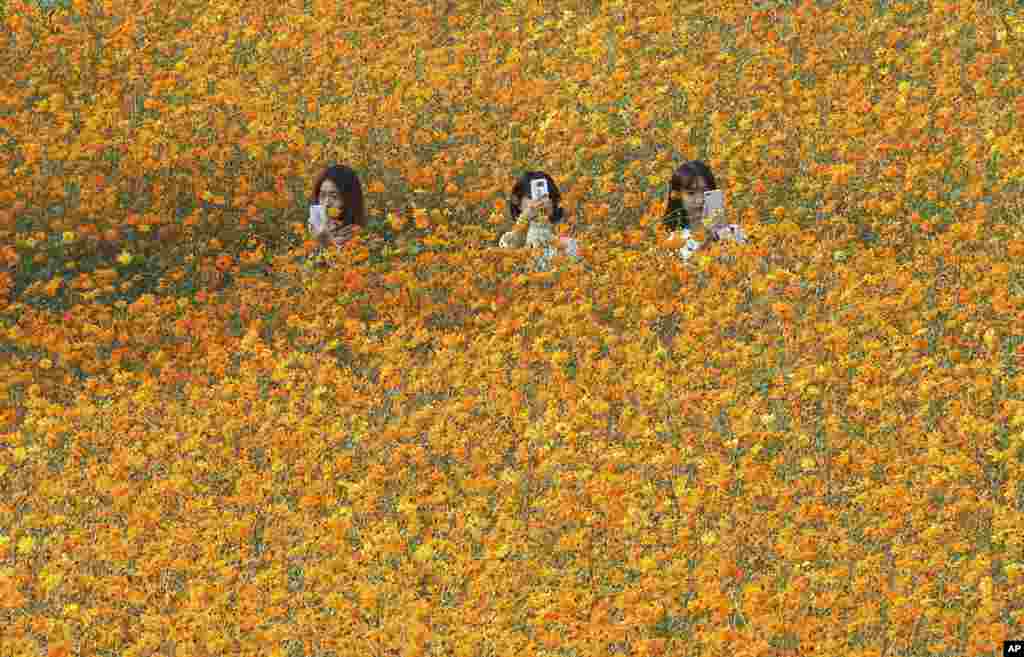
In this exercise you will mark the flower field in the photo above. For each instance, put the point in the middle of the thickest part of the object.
(806, 445)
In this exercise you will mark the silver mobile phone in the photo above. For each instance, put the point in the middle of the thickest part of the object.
(714, 201)
(538, 188)
(317, 217)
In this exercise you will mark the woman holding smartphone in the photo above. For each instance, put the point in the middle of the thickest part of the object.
(535, 205)
(336, 206)
(693, 198)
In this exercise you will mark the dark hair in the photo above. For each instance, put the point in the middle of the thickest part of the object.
(347, 182)
(522, 187)
(684, 178)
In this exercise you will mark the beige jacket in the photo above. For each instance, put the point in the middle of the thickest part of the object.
(541, 236)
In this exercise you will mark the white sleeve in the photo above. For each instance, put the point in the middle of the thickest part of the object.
(690, 246)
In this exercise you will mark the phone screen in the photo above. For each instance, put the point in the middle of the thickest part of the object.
(317, 217)
(713, 201)
(538, 188)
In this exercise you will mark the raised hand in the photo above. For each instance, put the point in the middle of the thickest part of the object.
(532, 207)
(340, 235)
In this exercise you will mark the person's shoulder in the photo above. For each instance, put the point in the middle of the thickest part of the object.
(507, 240)
(736, 232)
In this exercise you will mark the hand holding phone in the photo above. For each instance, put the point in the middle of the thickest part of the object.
(714, 206)
(343, 234)
(538, 188)
(317, 218)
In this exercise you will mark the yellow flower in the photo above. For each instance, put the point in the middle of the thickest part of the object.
(50, 580)
(69, 236)
(125, 258)
(26, 544)
(423, 553)
(396, 222)
(46, 363)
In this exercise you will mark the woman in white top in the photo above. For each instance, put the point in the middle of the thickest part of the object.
(536, 220)
(337, 188)
(686, 207)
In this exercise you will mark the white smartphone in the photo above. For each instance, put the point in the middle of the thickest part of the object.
(713, 201)
(538, 188)
(317, 217)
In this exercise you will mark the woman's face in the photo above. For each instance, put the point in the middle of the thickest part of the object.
(693, 197)
(547, 208)
(330, 196)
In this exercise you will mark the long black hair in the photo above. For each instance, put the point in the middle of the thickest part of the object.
(685, 177)
(522, 188)
(347, 182)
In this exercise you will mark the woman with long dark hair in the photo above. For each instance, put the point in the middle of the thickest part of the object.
(685, 208)
(686, 194)
(337, 188)
(535, 220)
